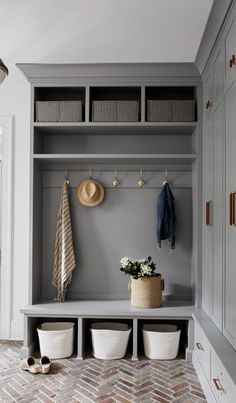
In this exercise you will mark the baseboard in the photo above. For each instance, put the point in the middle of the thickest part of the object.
(17, 329)
(202, 379)
(188, 355)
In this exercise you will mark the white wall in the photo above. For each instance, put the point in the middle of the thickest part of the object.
(84, 31)
(15, 101)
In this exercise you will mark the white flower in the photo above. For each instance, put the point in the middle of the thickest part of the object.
(145, 270)
(141, 260)
(124, 261)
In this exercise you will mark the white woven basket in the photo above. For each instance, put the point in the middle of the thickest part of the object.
(56, 339)
(110, 340)
(161, 342)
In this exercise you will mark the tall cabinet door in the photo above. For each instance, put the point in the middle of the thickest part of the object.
(208, 237)
(229, 325)
(217, 284)
(213, 185)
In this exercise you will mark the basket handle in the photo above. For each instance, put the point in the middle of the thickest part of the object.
(130, 285)
(162, 284)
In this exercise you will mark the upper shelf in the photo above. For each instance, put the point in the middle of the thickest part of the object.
(157, 128)
(117, 158)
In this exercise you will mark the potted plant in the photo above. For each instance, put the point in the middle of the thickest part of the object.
(145, 284)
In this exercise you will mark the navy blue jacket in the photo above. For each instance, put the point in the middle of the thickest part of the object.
(166, 219)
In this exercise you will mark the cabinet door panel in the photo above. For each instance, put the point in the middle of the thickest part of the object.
(222, 385)
(230, 50)
(217, 77)
(203, 351)
(230, 247)
(217, 217)
(208, 229)
(208, 94)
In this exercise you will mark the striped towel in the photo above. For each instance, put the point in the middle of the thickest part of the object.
(64, 258)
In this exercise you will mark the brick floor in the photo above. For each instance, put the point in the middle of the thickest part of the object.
(92, 380)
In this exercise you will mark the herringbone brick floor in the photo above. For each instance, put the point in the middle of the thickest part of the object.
(93, 380)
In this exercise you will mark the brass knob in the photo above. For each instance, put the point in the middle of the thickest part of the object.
(232, 61)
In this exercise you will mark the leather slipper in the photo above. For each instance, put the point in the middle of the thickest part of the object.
(45, 364)
(29, 364)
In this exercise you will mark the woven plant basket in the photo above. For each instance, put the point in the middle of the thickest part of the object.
(146, 292)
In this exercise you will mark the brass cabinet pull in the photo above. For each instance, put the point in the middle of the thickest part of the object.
(232, 61)
(217, 384)
(208, 104)
(199, 346)
(208, 213)
(232, 208)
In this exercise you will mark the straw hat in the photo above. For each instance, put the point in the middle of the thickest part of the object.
(90, 193)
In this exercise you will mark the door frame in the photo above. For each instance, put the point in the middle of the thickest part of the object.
(7, 228)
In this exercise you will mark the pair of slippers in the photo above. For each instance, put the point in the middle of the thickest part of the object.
(29, 364)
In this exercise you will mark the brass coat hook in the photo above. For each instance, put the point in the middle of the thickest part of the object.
(66, 177)
(116, 181)
(141, 181)
(166, 177)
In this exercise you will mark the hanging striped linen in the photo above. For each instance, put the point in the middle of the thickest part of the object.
(64, 258)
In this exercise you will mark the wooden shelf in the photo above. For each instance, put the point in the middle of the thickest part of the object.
(118, 158)
(157, 128)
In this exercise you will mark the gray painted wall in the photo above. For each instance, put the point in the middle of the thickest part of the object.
(128, 222)
(101, 144)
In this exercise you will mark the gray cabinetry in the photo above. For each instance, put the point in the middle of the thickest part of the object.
(230, 189)
(208, 264)
(217, 217)
(113, 133)
(214, 361)
(219, 297)
(212, 154)
(230, 49)
(103, 139)
(217, 119)
(207, 93)
(229, 324)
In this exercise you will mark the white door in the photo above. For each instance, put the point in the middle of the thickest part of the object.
(5, 225)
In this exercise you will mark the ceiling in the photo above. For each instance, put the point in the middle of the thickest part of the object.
(87, 31)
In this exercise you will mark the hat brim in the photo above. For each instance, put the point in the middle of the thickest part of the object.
(92, 203)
